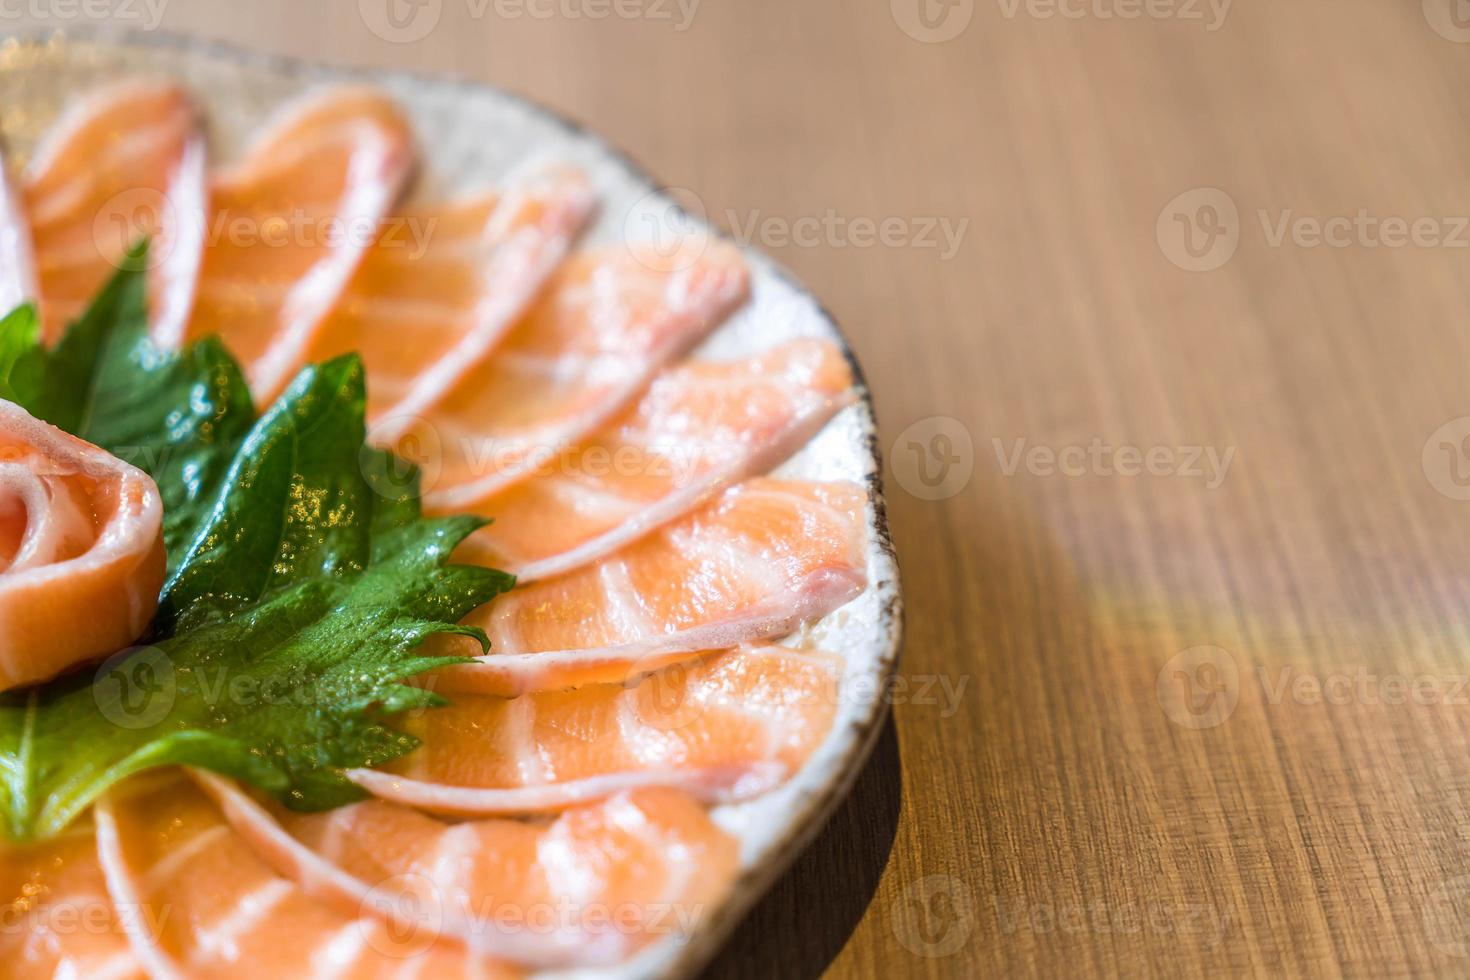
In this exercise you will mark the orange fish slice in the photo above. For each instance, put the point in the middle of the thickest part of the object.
(291, 224)
(58, 920)
(610, 320)
(81, 550)
(218, 910)
(17, 258)
(756, 563)
(696, 430)
(125, 162)
(726, 727)
(442, 286)
(588, 888)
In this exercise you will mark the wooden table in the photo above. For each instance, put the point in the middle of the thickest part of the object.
(1199, 585)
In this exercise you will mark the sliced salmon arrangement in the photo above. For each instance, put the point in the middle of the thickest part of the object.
(81, 550)
(221, 911)
(610, 320)
(697, 428)
(724, 727)
(587, 888)
(565, 807)
(765, 557)
(290, 225)
(125, 162)
(442, 286)
(59, 918)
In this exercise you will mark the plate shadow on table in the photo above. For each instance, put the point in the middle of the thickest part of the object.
(806, 918)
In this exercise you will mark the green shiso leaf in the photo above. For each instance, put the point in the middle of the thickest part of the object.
(303, 578)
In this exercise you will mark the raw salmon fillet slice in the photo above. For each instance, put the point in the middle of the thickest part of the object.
(218, 910)
(753, 564)
(17, 257)
(590, 887)
(443, 285)
(611, 319)
(291, 223)
(727, 726)
(58, 918)
(81, 550)
(698, 428)
(125, 162)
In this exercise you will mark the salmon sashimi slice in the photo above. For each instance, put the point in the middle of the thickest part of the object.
(81, 550)
(291, 223)
(728, 726)
(588, 888)
(696, 430)
(755, 563)
(125, 162)
(17, 258)
(218, 910)
(442, 286)
(611, 319)
(58, 918)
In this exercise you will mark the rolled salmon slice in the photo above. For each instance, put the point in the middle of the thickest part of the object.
(81, 550)
(58, 918)
(291, 223)
(588, 888)
(698, 428)
(728, 726)
(17, 257)
(214, 908)
(125, 162)
(611, 319)
(443, 285)
(755, 563)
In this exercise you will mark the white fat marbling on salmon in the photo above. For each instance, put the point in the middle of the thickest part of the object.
(751, 565)
(222, 911)
(635, 853)
(292, 222)
(723, 727)
(125, 161)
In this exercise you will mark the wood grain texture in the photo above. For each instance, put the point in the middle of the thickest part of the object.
(1067, 814)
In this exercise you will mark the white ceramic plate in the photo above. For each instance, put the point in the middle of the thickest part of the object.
(473, 136)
